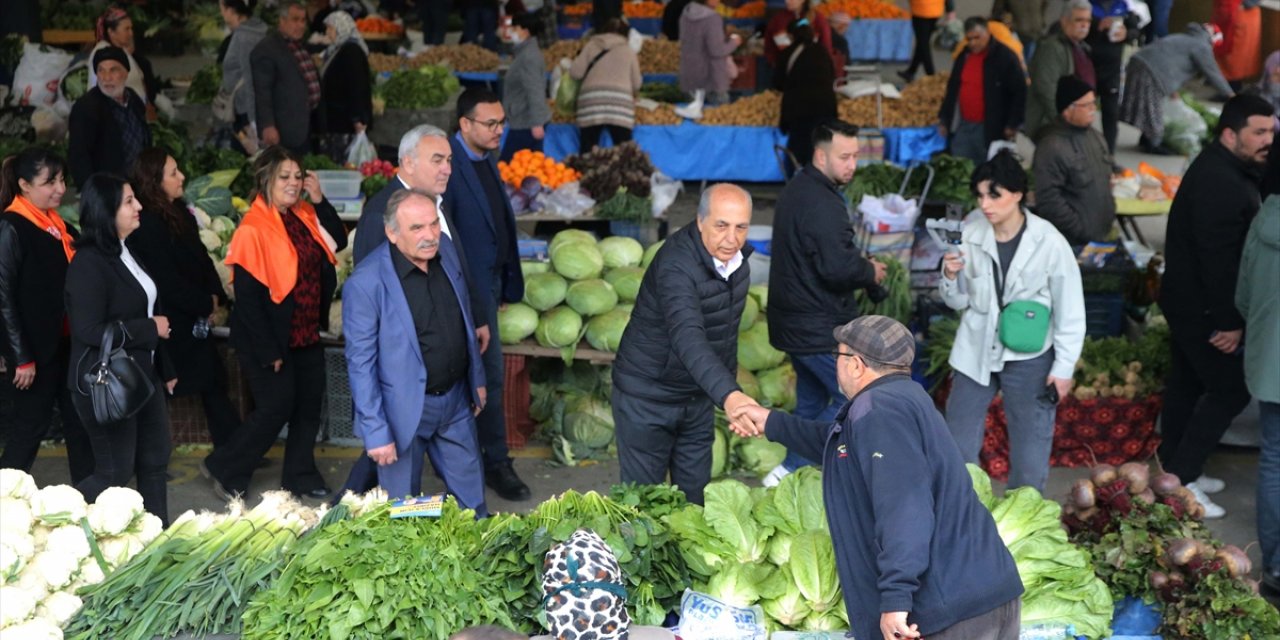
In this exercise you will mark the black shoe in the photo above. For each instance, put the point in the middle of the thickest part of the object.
(504, 481)
(218, 489)
(1271, 582)
(906, 75)
(1156, 149)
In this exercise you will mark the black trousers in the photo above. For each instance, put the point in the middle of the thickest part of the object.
(800, 139)
(435, 20)
(656, 439)
(1204, 392)
(222, 417)
(139, 446)
(1109, 99)
(291, 396)
(589, 137)
(923, 29)
(33, 413)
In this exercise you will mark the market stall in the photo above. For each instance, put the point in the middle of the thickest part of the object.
(879, 40)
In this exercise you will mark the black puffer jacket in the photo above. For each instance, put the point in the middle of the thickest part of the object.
(815, 266)
(682, 341)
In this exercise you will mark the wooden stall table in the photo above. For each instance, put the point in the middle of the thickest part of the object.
(66, 37)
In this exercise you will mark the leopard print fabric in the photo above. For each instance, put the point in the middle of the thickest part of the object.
(583, 589)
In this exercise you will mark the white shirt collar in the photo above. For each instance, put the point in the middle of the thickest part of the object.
(444, 222)
(726, 269)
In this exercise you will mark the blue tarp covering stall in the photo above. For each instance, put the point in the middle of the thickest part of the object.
(882, 40)
(743, 154)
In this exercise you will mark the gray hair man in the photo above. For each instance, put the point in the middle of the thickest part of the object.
(1062, 53)
(678, 358)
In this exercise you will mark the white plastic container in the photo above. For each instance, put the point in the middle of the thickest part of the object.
(343, 185)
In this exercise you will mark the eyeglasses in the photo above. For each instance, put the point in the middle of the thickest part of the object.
(491, 125)
(842, 353)
(1088, 106)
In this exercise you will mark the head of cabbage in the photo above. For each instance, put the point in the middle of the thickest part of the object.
(542, 291)
(530, 267)
(604, 332)
(761, 293)
(567, 236)
(755, 353)
(650, 253)
(750, 311)
(778, 386)
(578, 261)
(517, 322)
(626, 281)
(588, 420)
(621, 251)
(748, 382)
(591, 297)
(559, 327)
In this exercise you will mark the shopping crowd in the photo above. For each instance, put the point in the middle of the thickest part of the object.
(436, 258)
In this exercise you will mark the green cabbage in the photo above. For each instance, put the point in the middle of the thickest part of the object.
(749, 384)
(650, 253)
(749, 314)
(778, 386)
(626, 281)
(604, 332)
(530, 267)
(588, 421)
(813, 565)
(621, 251)
(516, 322)
(719, 454)
(542, 291)
(754, 351)
(567, 236)
(758, 456)
(761, 293)
(577, 261)
(559, 327)
(591, 297)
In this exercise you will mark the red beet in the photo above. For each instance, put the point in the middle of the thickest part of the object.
(1137, 474)
(1235, 560)
(1147, 496)
(1165, 484)
(1108, 491)
(1082, 494)
(1158, 579)
(1182, 552)
(1103, 474)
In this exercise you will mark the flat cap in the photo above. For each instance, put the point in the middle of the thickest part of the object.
(879, 338)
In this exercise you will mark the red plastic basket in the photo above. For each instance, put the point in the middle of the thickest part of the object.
(515, 402)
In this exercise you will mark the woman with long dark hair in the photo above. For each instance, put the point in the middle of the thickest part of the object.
(282, 260)
(108, 289)
(35, 248)
(168, 242)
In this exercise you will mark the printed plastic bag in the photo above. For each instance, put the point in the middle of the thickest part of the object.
(663, 190)
(888, 214)
(705, 618)
(35, 83)
(360, 150)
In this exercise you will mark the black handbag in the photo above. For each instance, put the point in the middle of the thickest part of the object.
(118, 386)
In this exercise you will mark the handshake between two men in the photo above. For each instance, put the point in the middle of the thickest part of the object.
(746, 416)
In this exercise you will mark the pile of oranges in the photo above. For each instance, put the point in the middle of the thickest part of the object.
(377, 24)
(580, 9)
(645, 9)
(864, 9)
(752, 9)
(526, 163)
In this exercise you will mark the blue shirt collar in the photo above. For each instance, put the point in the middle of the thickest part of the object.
(467, 148)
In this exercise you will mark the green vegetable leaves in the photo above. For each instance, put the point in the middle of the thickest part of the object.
(426, 87)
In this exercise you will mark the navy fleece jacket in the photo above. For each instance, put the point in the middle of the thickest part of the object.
(909, 531)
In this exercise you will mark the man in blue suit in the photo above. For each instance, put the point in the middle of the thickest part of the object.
(486, 228)
(410, 401)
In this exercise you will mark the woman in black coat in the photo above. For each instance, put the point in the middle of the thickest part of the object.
(345, 85)
(806, 79)
(109, 290)
(168, 242)
(35, 248)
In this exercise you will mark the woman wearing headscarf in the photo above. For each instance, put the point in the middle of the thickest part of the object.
(345, 89)
(115, 29)
(35, 249)
(806, 80)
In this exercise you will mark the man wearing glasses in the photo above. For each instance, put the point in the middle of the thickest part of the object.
(916, 551)
(486, 228)
(1073, 168)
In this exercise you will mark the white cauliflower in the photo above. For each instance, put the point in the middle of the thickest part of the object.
(149, 527)
(35, 629)
(115, 511)
(202, 218)
(40, 535)
(57, 568)
(16, 550)
(209, 238)
(58, 504)
(16, 483)
(32, 581)
(117, 551)
(223, 226)
(90, 573)
(69, 540)
(15, 515)
(59, 607)
(16, 605)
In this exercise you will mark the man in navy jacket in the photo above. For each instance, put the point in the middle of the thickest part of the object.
(916, 551)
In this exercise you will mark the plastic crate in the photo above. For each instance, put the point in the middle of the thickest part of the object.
(340, 184)
(336, 415)
(515, 401)
(1104, 314)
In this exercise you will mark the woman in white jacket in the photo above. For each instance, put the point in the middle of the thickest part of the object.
(1011, 249)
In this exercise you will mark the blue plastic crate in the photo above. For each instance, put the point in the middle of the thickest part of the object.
(1104, 314)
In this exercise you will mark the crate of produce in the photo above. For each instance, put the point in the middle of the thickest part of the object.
(340, 184)
(1104, 314)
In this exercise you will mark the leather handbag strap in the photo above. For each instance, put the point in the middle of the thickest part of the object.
(108, 341)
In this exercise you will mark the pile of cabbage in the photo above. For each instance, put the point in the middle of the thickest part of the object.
(52, 543)
(766, 547)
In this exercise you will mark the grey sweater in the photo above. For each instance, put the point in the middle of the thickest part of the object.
(525, 88)
(236, 68)
(1177, 58)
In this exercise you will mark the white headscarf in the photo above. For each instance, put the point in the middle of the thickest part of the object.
(345, 30)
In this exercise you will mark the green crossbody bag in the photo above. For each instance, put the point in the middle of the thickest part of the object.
(1024, 324)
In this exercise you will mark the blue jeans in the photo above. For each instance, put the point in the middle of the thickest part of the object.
(818, 395)
(969, 140)
(1269, 485)
(1160, 17)
(1030, 418)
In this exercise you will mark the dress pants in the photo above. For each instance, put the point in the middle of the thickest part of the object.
(656, 439)
(491, 424)
(922, 56)
(447, 434)
(589, 137)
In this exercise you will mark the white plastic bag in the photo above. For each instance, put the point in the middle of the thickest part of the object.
(888, 214)
(1000, 145)
(663, 191)
(1183, 127)
(568, 201)
(636, 40)
(360, 150)
(705, 618)
(35, 82)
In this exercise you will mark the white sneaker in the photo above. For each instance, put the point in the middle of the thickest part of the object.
(691, 111)
(1211, 510)
(774, 477)
(1210, 485)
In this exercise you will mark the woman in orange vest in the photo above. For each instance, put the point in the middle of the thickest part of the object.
(282, 260)
(924, 17)
(35, 249)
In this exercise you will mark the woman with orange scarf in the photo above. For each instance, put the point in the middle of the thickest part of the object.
(35, 248)
(282, 261)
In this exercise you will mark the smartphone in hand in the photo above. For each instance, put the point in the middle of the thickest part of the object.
(1050, 393)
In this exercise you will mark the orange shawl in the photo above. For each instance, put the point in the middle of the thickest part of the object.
(48, 221)
(262, 247)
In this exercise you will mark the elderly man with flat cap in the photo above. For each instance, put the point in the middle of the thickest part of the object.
(109, 123)
(917, 553)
